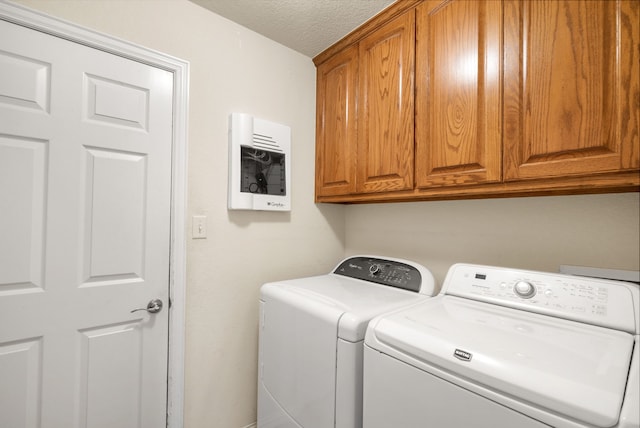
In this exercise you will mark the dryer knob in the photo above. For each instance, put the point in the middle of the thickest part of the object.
(375, 269)
(524, 289)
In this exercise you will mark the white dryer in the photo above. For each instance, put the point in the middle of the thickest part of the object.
(506, 348)
(311, 339)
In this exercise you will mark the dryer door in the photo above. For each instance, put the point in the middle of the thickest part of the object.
(297, 367)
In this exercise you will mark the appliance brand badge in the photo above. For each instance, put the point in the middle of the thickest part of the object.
(275, 204)
(462, 355)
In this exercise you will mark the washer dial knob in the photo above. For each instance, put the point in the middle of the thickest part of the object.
(524, 289)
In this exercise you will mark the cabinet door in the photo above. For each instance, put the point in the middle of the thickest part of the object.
(385, 107)
(458, 117)
(336, 131)
(571, 87)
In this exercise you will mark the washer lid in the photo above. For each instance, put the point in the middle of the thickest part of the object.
(573, 369)
(351, 303)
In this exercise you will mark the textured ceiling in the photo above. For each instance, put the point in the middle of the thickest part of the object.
(307, 26)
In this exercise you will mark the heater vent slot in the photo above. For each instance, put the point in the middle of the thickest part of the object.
(266, 142)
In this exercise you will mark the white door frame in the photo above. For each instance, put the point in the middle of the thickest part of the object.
(177, 281)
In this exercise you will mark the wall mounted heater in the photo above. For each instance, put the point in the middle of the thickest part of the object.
(259, 164)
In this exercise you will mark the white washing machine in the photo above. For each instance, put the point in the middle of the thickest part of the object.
(506, 348)
(311, 339)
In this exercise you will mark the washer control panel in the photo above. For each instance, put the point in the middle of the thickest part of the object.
(594, 301)
(381, 271)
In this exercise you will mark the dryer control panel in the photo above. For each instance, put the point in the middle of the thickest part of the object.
(590, 300)
(393, 273)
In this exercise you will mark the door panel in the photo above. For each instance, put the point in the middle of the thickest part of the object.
(27, 82)
(385, 107)
(108, 377)
(20, 368)
(116, 186)
(85, 164)
(113, 102)
(458, 118)
(571, 87)
(22, 204)
(336, 124)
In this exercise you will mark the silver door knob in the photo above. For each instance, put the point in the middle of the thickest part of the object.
(154, 306)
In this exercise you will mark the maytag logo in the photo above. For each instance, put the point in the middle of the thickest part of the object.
(462, 355)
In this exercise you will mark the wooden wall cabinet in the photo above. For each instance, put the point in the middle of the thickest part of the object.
(571, 89)
(336, 124)
(512, 98)
(385, 107)
(364, 114)
(458, 75)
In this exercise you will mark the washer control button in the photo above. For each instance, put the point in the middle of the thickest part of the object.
(524, 289)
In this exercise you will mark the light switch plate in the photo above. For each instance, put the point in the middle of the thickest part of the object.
(199, 227)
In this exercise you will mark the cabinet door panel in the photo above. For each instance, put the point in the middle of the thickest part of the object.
(458, 120)
(336, 137)
(571, 87)
(385, 115)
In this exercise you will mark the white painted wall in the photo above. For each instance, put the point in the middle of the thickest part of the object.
(233, 69)
(537, 233)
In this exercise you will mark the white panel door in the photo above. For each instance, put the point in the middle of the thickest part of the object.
(85, 176)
